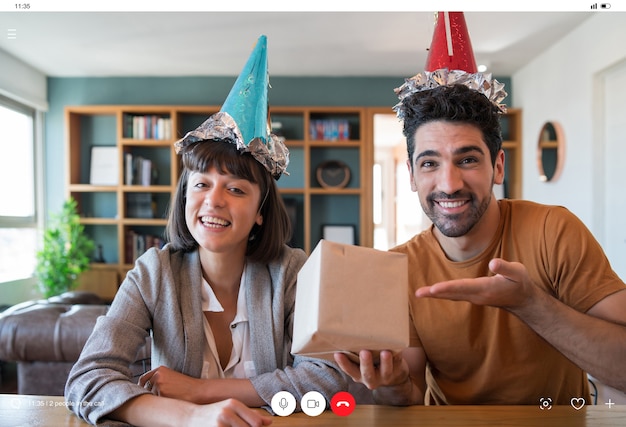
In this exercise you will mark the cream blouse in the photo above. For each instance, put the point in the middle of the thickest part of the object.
(240, 364)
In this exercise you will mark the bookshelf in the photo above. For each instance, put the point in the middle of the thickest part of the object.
(129, 215)
(316, 135)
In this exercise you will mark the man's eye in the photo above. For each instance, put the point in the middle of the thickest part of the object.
(468, 160)
(428, 164)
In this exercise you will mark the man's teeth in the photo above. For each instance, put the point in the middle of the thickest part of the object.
(208, 220)
(449, 205)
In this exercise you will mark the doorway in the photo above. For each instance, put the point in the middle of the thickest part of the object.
(610, 175)
(396, 210)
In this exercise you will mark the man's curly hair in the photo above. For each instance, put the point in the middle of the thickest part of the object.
(455, 104)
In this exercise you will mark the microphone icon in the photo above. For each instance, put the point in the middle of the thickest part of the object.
(283, 403)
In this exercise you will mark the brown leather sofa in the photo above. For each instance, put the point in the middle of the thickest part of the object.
(45, 338)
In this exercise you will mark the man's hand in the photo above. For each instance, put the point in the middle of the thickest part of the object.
(390, 378)
(392, 369)
(509, 288)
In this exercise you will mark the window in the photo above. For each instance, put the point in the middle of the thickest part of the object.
(18, 191)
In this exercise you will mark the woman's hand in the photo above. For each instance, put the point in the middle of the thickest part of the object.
(166, 382)
(227, 413)
(154, 411)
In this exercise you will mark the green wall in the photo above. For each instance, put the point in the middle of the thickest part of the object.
(285, 91)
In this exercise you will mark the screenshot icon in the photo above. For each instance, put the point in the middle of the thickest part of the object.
(545, 403)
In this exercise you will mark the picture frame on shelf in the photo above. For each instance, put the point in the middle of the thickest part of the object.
(104, 168)
(339, 233)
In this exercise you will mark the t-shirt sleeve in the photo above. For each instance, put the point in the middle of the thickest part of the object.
(579, 269)
(414, 339)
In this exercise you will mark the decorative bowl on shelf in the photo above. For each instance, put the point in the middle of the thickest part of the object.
(333, 174)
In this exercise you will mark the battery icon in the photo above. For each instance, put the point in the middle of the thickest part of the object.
(605, 5)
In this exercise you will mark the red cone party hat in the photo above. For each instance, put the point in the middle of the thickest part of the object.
(450, 61)
(451, 47)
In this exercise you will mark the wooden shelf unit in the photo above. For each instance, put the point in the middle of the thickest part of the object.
(106, 209)
(511, 122)
(315, 205)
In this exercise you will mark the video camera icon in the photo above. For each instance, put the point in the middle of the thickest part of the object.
(313, 403)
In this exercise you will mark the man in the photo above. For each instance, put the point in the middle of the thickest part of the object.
(510, 301)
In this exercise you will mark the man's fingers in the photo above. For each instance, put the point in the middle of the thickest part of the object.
(349, 367)
(387, 364)
(510, 270)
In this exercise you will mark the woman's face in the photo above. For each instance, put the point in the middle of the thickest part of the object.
(221, 210)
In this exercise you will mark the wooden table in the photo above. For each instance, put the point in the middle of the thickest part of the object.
(21, 410)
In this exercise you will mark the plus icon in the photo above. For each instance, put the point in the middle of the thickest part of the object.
(610, 404)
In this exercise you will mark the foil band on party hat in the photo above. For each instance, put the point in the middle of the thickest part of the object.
(219, 127)
(272, 154)
(243, 119)
(483, 83)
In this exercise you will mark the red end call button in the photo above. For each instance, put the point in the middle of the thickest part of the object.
(342, 404)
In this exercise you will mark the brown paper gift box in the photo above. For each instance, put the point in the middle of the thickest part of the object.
(351, 298)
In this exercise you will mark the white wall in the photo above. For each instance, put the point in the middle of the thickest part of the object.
(565, 84)
(22, 82)
(559, 85)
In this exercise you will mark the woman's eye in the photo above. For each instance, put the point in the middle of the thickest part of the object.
(236, 190)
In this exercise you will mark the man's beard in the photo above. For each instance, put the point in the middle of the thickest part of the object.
(456, 225)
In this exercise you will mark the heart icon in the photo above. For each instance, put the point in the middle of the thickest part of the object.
(577, 403)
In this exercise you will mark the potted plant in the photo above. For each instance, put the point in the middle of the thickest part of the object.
(65, 253)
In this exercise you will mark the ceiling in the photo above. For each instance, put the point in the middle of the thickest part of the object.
(68, 44)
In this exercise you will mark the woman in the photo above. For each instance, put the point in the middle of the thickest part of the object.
(218, 299)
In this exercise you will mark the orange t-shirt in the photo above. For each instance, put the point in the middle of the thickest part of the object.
(485, 355)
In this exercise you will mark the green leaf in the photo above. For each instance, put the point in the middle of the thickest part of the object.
(65, 253)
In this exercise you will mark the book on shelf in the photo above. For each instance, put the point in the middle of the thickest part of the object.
(140, 205)
(129, 171)
(329, 130)
(149, 126)
(137, 243)
(139, 171)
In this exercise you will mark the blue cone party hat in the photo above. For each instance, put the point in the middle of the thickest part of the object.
(243, 119)
(247, 101)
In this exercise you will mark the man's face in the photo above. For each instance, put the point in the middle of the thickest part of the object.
(453, 176)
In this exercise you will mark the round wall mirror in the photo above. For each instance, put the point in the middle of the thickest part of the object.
(550, 151)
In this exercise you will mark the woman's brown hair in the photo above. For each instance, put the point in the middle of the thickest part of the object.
(266, 241)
